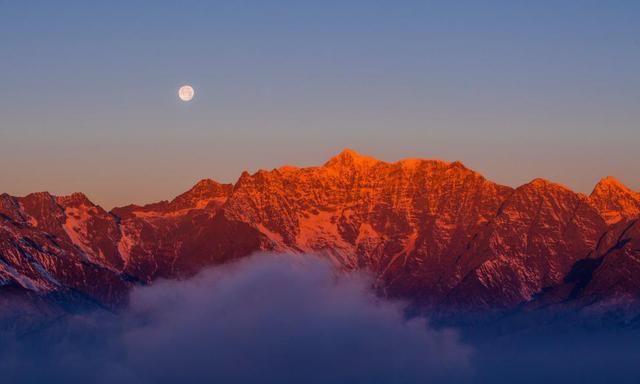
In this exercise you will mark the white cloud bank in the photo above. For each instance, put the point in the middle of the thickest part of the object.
(265, 319)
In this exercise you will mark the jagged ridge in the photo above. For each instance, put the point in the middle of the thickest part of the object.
(429, 230)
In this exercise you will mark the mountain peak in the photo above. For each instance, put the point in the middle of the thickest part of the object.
(74, 199)
(608, 183)
(39, 196)
(349, 157)
(206, 185)
(202, 193)
(544, 183)
(614, 200)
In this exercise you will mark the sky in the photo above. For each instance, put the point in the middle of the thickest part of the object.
(514, 89)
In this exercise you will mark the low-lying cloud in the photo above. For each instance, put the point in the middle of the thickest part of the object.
(292, 319)
(265, 319)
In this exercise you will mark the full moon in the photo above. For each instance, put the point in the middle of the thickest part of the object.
(186, 92)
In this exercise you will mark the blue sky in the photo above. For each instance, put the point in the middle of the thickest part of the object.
(514, 89)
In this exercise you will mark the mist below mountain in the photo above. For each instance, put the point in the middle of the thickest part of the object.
(295, 318)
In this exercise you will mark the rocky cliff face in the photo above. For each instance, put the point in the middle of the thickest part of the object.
(428, 230)
(50, 244)
(615, 201)
(407, 221)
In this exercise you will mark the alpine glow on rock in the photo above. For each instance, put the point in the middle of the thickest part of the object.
(390, 192)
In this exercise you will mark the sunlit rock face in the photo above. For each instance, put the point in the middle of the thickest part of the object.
(535, 239)
(406, 221)
(428, 230)
(615, 201)
(63, 244)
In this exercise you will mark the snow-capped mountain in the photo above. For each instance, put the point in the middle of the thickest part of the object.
(428, 230)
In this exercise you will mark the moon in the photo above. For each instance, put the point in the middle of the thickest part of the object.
(186, 93)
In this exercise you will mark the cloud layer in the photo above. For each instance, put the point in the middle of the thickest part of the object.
(266, 319)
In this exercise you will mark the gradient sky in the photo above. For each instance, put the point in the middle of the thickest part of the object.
(514, 89)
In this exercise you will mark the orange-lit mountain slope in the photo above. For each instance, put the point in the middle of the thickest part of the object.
(427, 230)
(615, 201)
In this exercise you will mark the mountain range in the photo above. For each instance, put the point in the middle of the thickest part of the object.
(434, 232)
